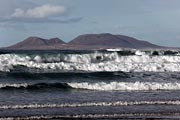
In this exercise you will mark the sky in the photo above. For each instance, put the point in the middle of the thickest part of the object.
(156, 21)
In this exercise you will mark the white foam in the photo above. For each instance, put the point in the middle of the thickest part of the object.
(38, 59)
(14, 85)
(90, 104)
(127, 86)
(139, 53)
(93, 62)
(137, 115)
(115, 49)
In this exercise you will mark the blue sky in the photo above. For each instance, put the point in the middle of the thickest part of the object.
(156, 21)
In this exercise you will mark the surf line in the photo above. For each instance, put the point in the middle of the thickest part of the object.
(140, 116)
(90, 104)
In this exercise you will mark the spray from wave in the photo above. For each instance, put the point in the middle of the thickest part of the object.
(132, 61)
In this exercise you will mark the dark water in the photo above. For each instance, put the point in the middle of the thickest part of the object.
(32, 94)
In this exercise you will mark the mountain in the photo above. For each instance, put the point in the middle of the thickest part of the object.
(107, 39)
(35, 42)
(83, 42)
(54, 41)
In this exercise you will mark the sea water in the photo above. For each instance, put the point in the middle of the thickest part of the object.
(105, 84)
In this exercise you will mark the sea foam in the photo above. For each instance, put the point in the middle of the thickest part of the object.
(92, 62)
(127, 86)
(90, 104)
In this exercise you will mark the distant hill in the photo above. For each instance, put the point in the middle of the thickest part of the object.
(83, 42)
(35, 42)
(54, 41)
(107, 39)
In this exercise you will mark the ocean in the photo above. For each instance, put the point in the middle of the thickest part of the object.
(104, 84)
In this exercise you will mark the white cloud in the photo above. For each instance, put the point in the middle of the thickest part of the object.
(43, 11)
(41, 14)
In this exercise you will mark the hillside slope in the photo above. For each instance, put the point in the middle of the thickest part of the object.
(107, 39)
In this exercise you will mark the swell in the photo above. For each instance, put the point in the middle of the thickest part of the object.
(64, 75)
(34, 86)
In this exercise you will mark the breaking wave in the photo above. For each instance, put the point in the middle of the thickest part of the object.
(101, 86)
(127, 86)
(126, 61)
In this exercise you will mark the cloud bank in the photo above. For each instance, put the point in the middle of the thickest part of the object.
(43, 11)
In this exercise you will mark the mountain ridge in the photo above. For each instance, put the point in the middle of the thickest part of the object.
(85, 41)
